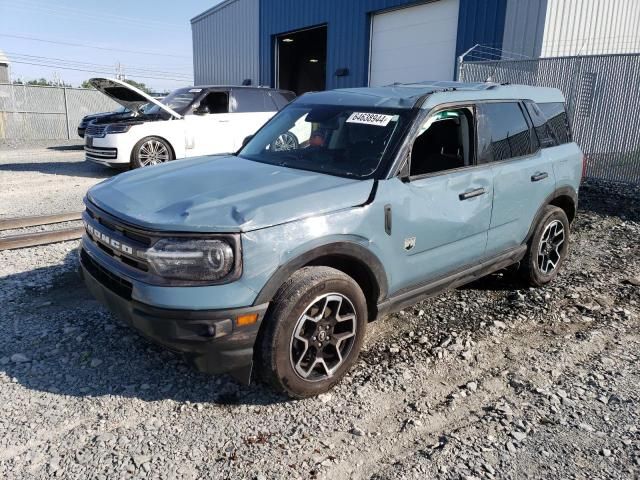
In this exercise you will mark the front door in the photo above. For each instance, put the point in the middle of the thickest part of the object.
(208, 126)
(443, 218)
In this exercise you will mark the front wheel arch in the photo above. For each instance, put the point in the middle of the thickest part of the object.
(149, 137)
(350, 258)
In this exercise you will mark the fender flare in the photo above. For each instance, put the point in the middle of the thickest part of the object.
(351, 250)
(566, 191)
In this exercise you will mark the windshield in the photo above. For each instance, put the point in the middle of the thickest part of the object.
(178, 100)
(337, 140)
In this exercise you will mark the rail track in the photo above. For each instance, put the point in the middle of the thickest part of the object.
(32, 239)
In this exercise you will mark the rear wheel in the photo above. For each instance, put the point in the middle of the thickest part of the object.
(548, 248)
(286, 141)
(151, 151)
(314, 332)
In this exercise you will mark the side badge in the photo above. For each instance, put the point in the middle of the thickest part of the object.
(409, 243)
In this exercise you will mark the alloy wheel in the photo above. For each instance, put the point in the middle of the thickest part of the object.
(285, 142)
(323, 337)
(550, 248)
(153, 152)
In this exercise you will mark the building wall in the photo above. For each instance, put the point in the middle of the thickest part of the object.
(225, 43)
(591, 27)
(524, 28)
(349, 21)
(4, 73)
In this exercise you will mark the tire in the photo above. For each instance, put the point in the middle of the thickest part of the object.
(287, 360)
(548, 248)
(286, 141)
(151, 151)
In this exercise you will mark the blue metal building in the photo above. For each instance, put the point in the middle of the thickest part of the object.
(349, 31)
(314, 44)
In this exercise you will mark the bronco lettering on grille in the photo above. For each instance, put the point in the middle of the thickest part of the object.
(115, 244)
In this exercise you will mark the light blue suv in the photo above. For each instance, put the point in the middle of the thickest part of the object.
(347, 205)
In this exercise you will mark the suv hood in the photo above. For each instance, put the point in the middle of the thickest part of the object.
(223, 194)
(127, 95)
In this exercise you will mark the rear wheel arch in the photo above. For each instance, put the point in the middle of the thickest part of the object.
(350, 258)
(567, 203)
(565, 198)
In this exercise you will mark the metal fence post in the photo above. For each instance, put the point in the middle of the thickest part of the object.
(66, 112)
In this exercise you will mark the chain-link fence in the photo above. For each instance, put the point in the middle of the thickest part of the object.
(603, 99)
(30, 112)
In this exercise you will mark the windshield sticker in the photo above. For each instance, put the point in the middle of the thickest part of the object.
(376, 119)
(195, 90)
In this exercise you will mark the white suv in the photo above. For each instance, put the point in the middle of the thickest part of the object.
(189, 122)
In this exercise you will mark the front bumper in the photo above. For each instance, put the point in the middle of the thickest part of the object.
(209, 339)
(111, 150)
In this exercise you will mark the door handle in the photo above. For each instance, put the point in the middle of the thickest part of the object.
(536, 177)
(472, 194)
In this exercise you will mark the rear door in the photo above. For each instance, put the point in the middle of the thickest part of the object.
(443, 211)
(250, 109)
(522, 171)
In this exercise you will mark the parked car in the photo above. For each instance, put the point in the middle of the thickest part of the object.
(118, 114)
(189, 122)
(272, 261)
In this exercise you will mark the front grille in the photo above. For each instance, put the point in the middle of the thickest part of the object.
(94, 130)
(122, 235)
(101, 153)
(117, 285)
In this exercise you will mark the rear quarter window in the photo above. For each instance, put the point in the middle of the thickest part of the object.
(545, 136)
(558, 121)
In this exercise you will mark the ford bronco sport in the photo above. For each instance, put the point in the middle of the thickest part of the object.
(270, 262)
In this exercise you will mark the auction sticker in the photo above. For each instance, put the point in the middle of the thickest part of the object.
(377, 119)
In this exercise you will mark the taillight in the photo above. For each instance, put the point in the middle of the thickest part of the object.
(584, 166)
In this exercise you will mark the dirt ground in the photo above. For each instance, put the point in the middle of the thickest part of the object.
(492, 380)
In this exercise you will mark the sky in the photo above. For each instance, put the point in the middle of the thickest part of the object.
(151, 40)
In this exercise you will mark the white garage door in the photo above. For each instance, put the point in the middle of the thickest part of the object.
(414, 44)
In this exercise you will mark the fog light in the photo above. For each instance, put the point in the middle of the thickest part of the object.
(248, 319)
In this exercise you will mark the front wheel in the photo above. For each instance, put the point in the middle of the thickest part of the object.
(314, 332)
(151, 151)
(548, 248)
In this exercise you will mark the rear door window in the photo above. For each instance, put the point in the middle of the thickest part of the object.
(558, 121)
(281, 99)
(252, 100)
(503, 132)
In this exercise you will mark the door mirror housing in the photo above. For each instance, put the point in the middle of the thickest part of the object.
(404, 173)
(201, 109)
(246, 140)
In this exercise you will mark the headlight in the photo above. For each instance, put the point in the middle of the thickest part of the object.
(119, 127)
(191, 259)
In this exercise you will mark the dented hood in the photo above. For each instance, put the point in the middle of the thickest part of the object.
(127, 95)
(223, 194)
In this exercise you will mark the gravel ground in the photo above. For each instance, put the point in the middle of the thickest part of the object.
(44, 179)
(492, 380)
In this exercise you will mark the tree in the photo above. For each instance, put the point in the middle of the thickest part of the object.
(138, 85)
(42, 82)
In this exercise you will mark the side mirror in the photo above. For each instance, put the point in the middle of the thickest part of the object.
(246, 140)
(201, 109)
(404, 174)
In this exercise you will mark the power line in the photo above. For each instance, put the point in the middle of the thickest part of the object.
(107, 72)
(95, 47)
(84, 16)
(74, 63)
(100, 15)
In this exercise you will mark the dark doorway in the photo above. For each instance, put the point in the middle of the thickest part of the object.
(302, 60)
